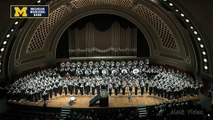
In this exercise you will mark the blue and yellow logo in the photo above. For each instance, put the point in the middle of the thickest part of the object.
(29, 11)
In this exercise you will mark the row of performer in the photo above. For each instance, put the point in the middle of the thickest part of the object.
(118, 78)
(115, 89)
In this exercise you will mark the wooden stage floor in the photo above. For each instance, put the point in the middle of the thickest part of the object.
(114, 101)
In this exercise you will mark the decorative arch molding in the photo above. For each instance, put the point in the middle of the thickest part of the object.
(166, 39)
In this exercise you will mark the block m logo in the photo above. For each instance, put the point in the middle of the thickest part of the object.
(20, 12)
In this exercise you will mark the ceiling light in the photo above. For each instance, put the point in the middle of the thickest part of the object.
(2, 49)
(205, 60)
(187, 20)
(182, 14)
(170, 4)
(205, 67)
(201, 45)
(204, 53)
(5, 42)
(16, 22)
(8, 35)
(199, 39)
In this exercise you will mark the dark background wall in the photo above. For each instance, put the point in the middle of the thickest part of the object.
(202, 11)
(5, 10)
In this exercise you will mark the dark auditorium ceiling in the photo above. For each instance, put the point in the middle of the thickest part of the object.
(201, 10)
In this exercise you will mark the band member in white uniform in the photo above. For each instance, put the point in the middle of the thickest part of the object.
(123, 87)
(142, 85)
(136, 86)
(110, 89)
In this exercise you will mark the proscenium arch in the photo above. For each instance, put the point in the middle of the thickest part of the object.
(48, 51)
(149, 33)
(59, 30)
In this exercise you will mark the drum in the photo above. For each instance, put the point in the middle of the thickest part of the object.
(71, 100)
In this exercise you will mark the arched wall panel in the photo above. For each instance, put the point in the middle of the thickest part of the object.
(167, 41)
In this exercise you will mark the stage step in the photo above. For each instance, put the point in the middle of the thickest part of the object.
(142, 111)
(65, 111)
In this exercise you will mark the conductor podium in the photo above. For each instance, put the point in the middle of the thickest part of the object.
(102, 98)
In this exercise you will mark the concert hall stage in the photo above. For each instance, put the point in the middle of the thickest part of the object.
(114, 101)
